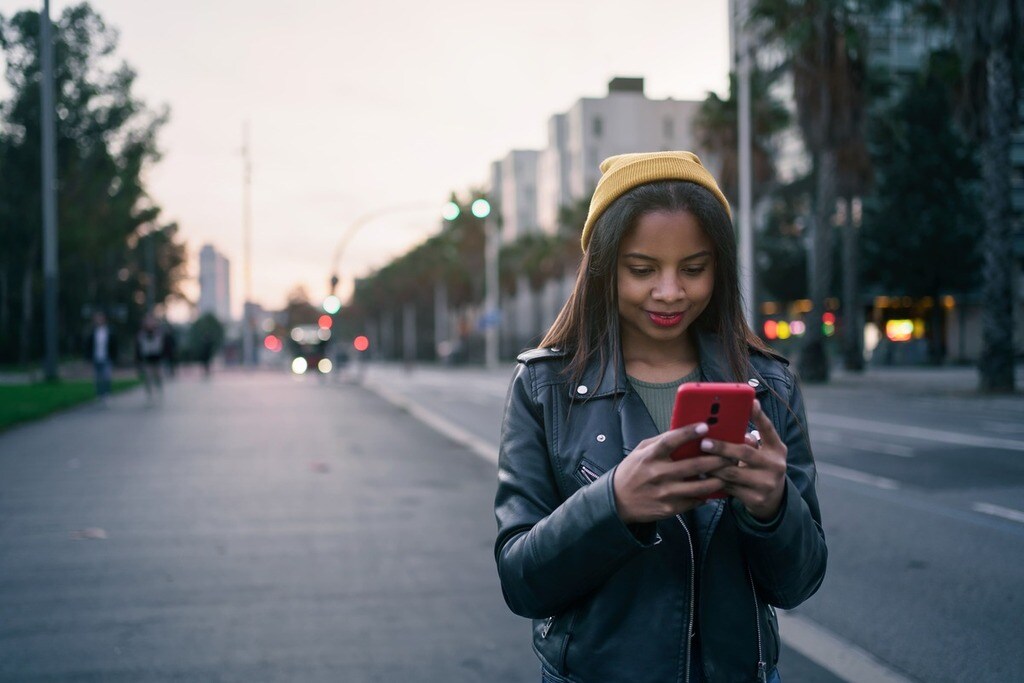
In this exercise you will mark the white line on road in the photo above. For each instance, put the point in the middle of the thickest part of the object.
(864, 444)
(859, 477)
(911, 432)
(998, 511)
(843, 659)
(439, 424)
(828, 650)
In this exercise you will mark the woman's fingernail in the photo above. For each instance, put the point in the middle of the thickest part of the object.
(757, 404)
(701, 428)
(706, 445)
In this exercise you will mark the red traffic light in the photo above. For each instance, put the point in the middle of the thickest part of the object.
(361, 343)
(325, 322)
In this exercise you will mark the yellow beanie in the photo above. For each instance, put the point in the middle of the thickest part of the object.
(620, 174)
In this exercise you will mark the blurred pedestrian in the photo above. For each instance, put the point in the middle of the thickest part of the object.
(101, 351)
(149, 353)
(610, 545)
(170, 350)
(205, 352)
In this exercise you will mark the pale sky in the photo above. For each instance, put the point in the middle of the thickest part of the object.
(357, 106)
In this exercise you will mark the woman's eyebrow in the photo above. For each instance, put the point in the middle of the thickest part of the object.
(645, 257)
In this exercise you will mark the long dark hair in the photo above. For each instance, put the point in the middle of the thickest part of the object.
(588, 325)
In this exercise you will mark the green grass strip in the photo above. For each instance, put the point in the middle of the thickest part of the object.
(24, 402)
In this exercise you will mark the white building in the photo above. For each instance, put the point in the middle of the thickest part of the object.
(529, 187)
(514, 185)
(214, 283)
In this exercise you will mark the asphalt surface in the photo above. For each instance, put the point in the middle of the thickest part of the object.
(249, 528)
(267, 527)
(922, 493)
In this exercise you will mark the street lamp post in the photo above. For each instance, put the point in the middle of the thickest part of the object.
(332, 304)
(49, 166)
(358, 224)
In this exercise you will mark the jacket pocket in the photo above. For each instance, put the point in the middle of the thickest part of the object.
(558, 629)
(587, 472)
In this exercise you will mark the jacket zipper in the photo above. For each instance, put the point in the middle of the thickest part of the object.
(547, 627)
(762, 666)
(689, 625)
(589, 473)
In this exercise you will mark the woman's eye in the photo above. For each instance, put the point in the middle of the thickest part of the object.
(697, 270)
(640, 271)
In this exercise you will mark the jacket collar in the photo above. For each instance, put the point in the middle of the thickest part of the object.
(609, 378)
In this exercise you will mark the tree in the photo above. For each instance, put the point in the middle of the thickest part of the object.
(106, 137)
(921, 223)
(825, 47)
(781, 250)
(990, 39)
(716, 127)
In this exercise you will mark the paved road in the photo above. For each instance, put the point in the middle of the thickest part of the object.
(251, 528)
(921, 486)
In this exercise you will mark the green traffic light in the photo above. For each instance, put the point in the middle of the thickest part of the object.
(481, 208)
(451, 211)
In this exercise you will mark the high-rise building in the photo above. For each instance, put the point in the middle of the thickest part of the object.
(214, 283)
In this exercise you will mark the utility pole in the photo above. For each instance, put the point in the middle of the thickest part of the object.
(247, 322)
(746, 228)
(49, 164)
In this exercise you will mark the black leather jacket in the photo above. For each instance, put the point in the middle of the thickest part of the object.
(614, 603)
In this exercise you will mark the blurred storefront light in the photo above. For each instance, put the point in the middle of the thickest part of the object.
(299, 365)
(899, 330)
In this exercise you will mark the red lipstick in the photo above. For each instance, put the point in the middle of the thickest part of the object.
(665, 319)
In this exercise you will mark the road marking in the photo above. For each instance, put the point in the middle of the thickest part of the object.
(439, 424)
(865, 444)
(998, 511)
(844, 659)
(859, 477)
(936, 435)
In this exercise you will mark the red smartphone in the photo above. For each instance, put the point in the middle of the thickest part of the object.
(723, 406)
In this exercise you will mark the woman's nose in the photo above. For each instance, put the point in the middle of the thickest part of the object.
(668, 288)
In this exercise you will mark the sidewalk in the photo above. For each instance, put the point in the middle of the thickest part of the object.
(259, 527)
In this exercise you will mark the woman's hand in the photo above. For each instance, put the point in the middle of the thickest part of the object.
(756, 473)
(649, 485)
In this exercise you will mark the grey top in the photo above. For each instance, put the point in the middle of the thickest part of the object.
(660, 397)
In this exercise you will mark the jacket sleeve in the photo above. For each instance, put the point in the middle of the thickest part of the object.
(787, 559)
(549, 552)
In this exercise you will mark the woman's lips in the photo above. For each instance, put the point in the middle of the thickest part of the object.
(665, 319)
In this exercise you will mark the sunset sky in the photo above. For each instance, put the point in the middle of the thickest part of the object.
(358, 106)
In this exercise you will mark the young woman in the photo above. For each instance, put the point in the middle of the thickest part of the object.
(608, 544)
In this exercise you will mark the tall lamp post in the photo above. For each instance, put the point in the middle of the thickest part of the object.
(49, 164)
(361, 222)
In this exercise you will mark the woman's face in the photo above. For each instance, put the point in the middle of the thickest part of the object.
(666, 275)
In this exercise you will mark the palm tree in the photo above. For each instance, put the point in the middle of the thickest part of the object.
(716, 130)
(825, 49)
(990, 38)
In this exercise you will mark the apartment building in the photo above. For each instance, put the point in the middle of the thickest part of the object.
(530, 186)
